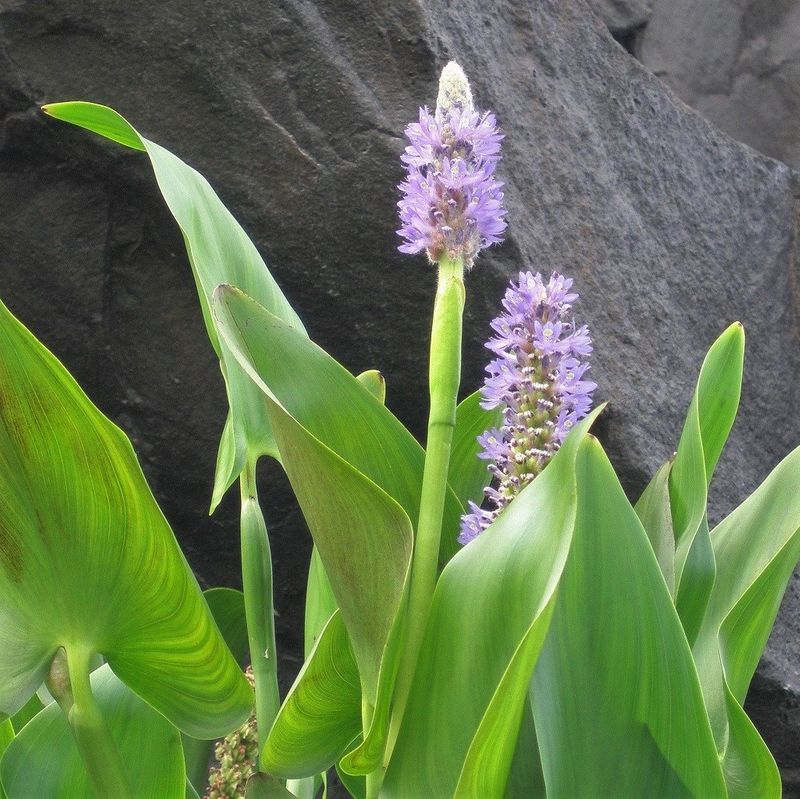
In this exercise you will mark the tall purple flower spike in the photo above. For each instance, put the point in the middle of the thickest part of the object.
(452, 205)
(538, 379)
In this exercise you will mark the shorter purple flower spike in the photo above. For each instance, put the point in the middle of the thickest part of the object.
(539, 381)
(452, 205)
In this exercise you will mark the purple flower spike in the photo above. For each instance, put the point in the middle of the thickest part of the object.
(538, 378)
(452, 204)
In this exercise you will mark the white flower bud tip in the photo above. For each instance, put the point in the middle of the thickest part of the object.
(454, 90)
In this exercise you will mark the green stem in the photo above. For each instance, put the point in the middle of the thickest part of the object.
(257, 585)
(445, 378)
(70, 685)
(374, 779)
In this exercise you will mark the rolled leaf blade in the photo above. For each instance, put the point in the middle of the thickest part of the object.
(219, 252)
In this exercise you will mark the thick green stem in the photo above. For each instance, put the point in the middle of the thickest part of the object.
(257, 585)
(445, 378)
(71, 687)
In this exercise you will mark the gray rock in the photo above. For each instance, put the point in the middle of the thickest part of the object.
(738, 63)
(623, 16)
(295, 112)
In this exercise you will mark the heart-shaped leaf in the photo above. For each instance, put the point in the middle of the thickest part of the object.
(87, 560)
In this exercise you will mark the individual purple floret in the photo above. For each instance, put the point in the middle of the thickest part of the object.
(452, 205)
(538, 378)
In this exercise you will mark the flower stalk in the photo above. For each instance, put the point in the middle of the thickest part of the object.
(452, 207)
(444, 381)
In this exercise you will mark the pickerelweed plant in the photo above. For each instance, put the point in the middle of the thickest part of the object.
(487, 617)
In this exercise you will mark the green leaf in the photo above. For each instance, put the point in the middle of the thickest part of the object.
(227, 607)
(490, 609)
(756, 549)
(356, 471)
(6, 737)
(468, 475)
(219, 252)
(43, 760)
(31, 708)
(373, 381)
(264, 786)
(654, 514)
(708, 423)
(320, 602)
(356, 785)
(617, 700)
(357, 474)
(320, 606)
(87, 560)
(331, 404)
(321, 716)
(617, 704)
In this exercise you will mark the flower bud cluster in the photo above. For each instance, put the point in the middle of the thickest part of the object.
(236, 756)
(452, 205)
(538, 379)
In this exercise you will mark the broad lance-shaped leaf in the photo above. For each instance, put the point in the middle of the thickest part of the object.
(616, 697)
(43, 760)
(296, 734)
(756, 549)
(490, 609)
(617, 705)
(87, 560)
(264, 786)
(219, 252)
(708, 423)
(673, 507)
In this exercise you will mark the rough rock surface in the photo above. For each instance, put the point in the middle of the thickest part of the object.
(623, 17)
(738, 63)
(295, 110)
